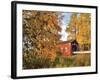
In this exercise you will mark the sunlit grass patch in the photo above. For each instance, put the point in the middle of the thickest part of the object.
(74, 60)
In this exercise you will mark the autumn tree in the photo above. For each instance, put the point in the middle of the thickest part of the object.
(72, 27)
(80, 29)
(40, 36)
(84, 30)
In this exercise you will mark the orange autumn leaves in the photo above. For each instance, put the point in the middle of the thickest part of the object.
(40, 30)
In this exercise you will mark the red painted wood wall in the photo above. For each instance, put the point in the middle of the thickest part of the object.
(66, 49)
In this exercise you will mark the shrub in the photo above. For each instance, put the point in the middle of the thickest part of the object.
(31, 61)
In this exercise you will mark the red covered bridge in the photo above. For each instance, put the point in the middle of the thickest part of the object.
(67, 47)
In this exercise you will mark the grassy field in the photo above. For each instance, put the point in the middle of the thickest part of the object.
(75, 60)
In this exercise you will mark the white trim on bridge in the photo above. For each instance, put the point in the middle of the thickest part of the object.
(80, 52)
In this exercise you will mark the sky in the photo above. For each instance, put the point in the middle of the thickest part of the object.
(64, 25)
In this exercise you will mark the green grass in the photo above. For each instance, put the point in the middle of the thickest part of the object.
(76, 60)
(73, 61)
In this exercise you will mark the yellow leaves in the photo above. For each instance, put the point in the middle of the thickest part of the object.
(34, 13)
(82, 25)
(80, 28)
